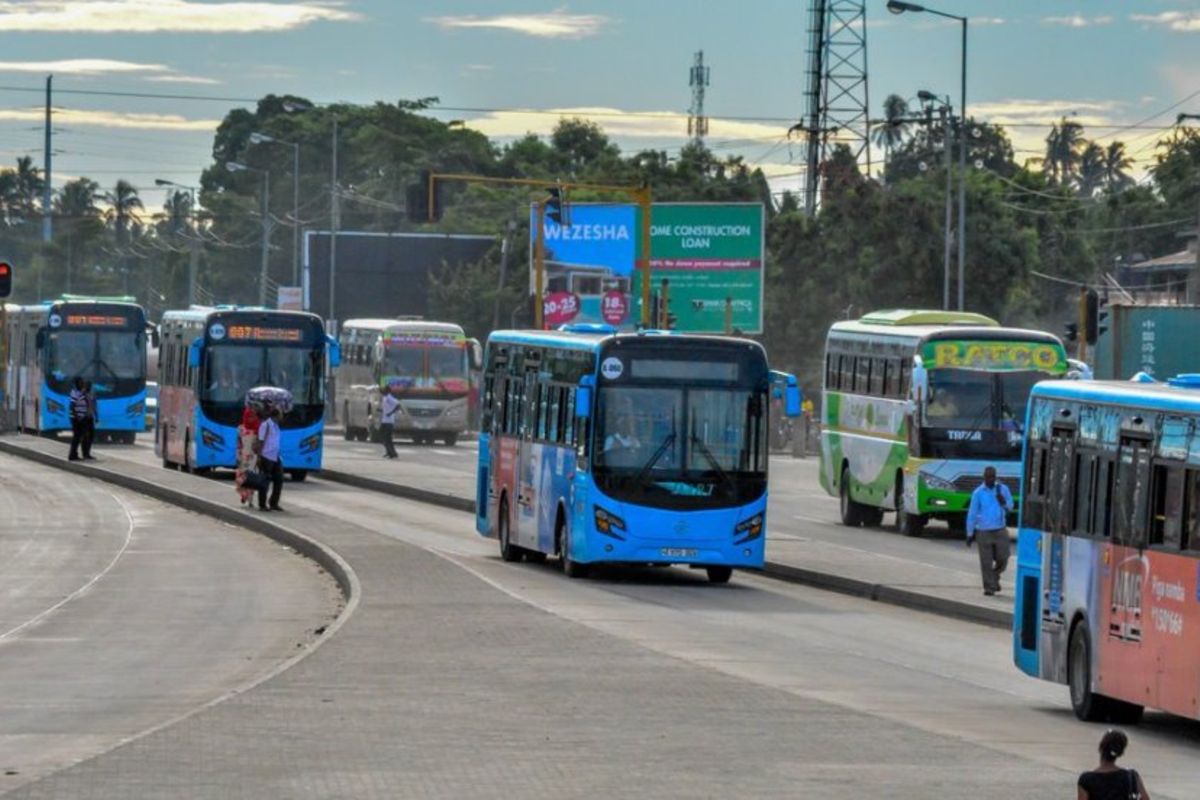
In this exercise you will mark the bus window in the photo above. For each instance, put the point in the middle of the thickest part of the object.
(1085, 491)
(1133, 485)
(553, 426)
(1104, 508)
(862, 380)
(1189, 537)
(1166, 508)
(1058, 480)
(876, 377)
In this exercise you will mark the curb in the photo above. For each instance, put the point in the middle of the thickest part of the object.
(877, 592)
(324, 557)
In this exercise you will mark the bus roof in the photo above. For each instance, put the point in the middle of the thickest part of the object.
(1151, 396)
(404, 325)
(908, 317)
(202, 313)
(915, 332)
(594, 340)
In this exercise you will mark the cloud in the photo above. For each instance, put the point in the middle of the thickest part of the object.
(112, 119)
(1077, 21)
(1179, 21)
(618, 124)
(81, 66)
(1044, 112)
(153, 16)
(191, 79)
(554, 25)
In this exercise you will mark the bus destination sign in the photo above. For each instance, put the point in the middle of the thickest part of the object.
(255, 333)
(96, 320)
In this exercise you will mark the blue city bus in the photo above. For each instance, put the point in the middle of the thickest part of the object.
(51, 344)
(607, 448)
(210, 357)
(1108, 554)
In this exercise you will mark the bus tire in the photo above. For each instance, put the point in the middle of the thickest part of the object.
(186, 466)
(298, 475)
(508, 551)
(1088, 705)
(719, 574)
(872, 516)
(450, 439)
(850, 509)
(907, 524)
(166, 462)
(570, 567)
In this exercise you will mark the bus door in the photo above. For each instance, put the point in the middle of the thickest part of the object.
(1053, 478)
(1126, 574)
(529, 454)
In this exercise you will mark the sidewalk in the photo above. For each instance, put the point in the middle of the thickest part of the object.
(936, 574)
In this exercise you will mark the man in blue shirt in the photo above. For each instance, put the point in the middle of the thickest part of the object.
(987, 522)
(269, 462)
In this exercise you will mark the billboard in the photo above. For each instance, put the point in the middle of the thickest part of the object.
(708, 252)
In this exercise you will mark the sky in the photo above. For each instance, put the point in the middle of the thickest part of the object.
(1123, 68)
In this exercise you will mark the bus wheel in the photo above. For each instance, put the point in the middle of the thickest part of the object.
(851, 510)
(570, 567)
(166, 462)
(186, 466)
(1088, 705)
(298, 475)
(719, 574)
(508, 551)
(450, 439)
(907, 524)
(872, 517)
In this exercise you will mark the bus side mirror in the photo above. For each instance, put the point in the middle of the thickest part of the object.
(583, 397)
(791, 392)
(194, 351)
(335, 351)
(41, 340)
(476, 350)
(918, 389)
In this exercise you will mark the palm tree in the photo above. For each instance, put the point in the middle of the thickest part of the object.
(1091, 169)
(1116, 161)
(1062, 151)
(75, 207)
(895, 128)
(178, 209)
(124, 204)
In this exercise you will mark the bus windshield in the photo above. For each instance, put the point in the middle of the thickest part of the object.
(680, 446)
(114, 361)
(436, 367)
(977, 413)
(235, 369)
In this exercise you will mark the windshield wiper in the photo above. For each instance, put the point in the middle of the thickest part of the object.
(662, 448)
(712, 462)
(1005, 407)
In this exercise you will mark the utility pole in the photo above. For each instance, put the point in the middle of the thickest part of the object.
(504, 245)
(266, 238)
(333, 230)
(47, 217)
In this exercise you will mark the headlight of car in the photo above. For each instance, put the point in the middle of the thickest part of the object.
(749, 529)
(941, 484)
(609, 523)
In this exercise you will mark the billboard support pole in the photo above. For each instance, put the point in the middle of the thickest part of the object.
(539, 266)
(643, 198)
(664, 306)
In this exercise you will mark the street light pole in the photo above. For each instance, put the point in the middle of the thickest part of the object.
(234, 166)
(899, 7)
(333, 229)
(263, 138)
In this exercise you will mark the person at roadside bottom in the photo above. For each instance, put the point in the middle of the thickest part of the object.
(81, 409)
(1108, 781)
(986, 525)
(268, 460)
(387, 421)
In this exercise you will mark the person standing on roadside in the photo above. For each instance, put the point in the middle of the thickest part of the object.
(269, 463)
(1108, 781)
(80, 410)
(987, 522)
(389, 406)
(89, 435)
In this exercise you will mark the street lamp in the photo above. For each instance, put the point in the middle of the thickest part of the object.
(262, 138)
(898, 7)
(193, 240)
(295, 107)
(236, 166)
(930, 99)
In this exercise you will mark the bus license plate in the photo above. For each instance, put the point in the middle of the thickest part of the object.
(679, 552)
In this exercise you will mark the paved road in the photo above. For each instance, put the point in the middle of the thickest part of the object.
(118, 614)
(463, 676)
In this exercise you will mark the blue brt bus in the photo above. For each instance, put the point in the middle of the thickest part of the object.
(210, 357)
(646, 448)
(102, 341)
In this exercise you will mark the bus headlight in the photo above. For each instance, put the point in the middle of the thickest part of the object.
(310, 444)
(749, 529)
(609, 523)
(136, 409)
(455, 411)
(941, 484)
(54, 407)
(211, 438)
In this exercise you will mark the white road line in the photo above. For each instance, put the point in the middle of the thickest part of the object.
(73, 595)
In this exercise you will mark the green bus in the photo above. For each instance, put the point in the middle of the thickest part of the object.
(917, 403)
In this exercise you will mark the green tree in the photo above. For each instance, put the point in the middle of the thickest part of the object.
(1092, 170)
(894, 128)
(1116, 164)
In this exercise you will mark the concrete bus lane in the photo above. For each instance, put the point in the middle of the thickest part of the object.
(462, 676)
(120, 614)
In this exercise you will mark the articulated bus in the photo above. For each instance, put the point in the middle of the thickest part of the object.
(431, 364)
(100, 340)
(646, 448)
(917, 403)
(210, 357)
(1108, 554)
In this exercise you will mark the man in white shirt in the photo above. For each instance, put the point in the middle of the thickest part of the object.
(387, 421)
(269, 462)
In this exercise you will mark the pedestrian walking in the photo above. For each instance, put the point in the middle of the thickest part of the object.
(1108, 781)
(987, 526)
(80, 410)
(269, 463)
(247, 458)
(89, 433)
(387, 420)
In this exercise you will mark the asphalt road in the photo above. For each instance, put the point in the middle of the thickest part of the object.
(463, 676)
(119, 614)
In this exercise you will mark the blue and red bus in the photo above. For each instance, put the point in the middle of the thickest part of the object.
(1108, 556)
(210, 357)
(606, 448)
(102, 341)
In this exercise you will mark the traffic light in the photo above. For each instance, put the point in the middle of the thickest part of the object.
(417, 199)
(556, 207)
(1071, 332)
(6, 272)
(1095, 316)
